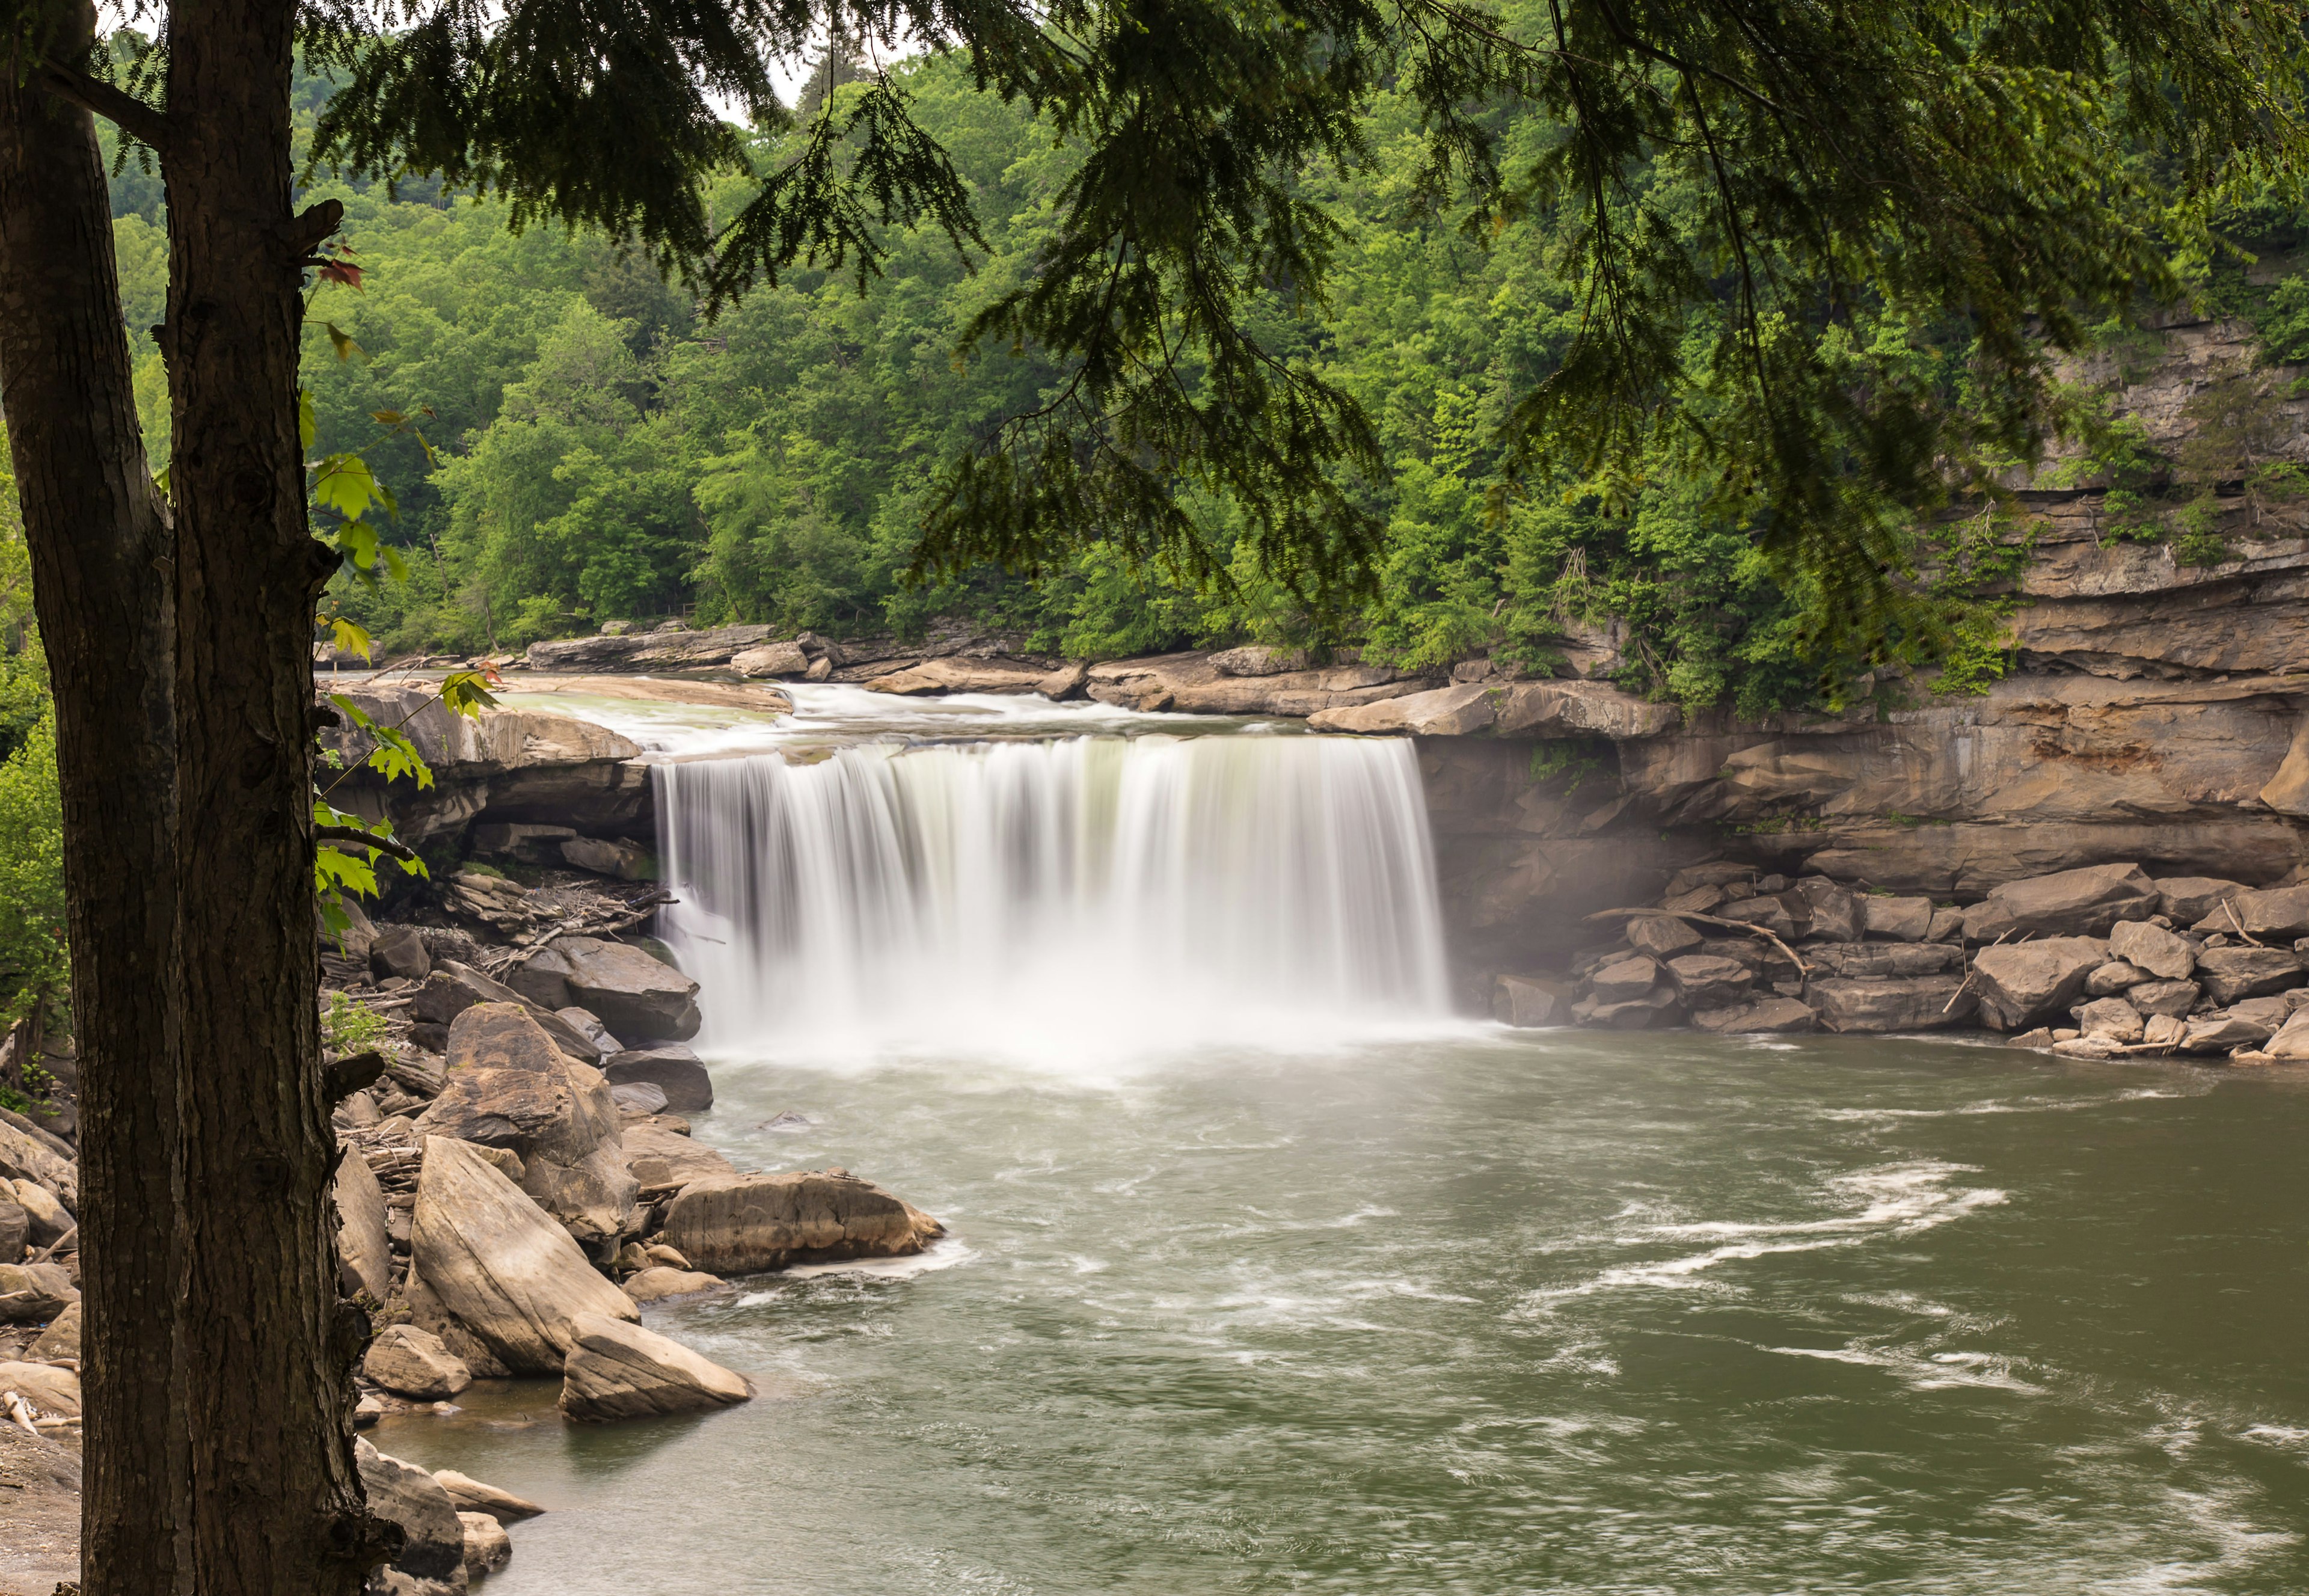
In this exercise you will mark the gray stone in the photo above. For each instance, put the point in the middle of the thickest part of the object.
(487, 1547)
(2109, 1016)
(640, 998)
(742, 1224)
(2232, 973)
(2175, 998)
(1898, 919)
(1521, 1001)
(617, 1370)
(1256, 659)
(2153, 948)
(2082, 902)
(1863, 959)
(364, 1244)
(2114, 977)
(2024, 985)
(2190, 898)
(1948, 926)
(638, 1097)
(399, 952)
(1662, 936)
(1767, 1015)
(2224, 1033)
(453, 988)
(34, 1293)
(673, 1068)
(1768, 912)
(31, 1154)
(414, 1363)
(1623, 980)
(470, 1496)
(433, 1542)
(588, 1025)
(1918, 1004)
(500, 1264)
(2279, 913)
(1838, 916)
(1705, 981)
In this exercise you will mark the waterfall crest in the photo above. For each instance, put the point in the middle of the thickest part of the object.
(1050, 898)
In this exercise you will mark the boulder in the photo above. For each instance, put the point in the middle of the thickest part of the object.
(1898, 919)
(771, 659)
(2088, 1047)
(661, 1158)
(671, 1068)
(414, 1363)
(470, 1496)
(2153, 948)
(1863, 959)
(2175, 998)
(399, 952)
(2163, 1030)
(2068, 903)
(2228, 974)
(588, 1025)
(34, 1293)
(33, 1155)
(15, 1225)
(2278, 913)
(55, 1392)
(487, 1547)
(621, 857)
(453, 988)
(60, 1339)
(1767, 1015)
(637, 1099)
(657, 1283)
(1663, 936)
(1838, 916)
(619, 1370)
(2110, 1017)
(364, 1244)
(500, 1264)
(1768, 912)
(1948, 926)
(1890, 1003)
(2024, 984)
(2292, 1039)
(433, 1541)
(2190, 898)
(1460, 710)
(500, 1036)
(2112, 978)
(1573, 708)
(640, 998)
(1519, 1001)
(1657, 1007)
(415, 1303)
(2224, 1033)
(742, 1224)
(1257, 659)
(1623, 980)
(1705, 981)
(2039, 1038)
(562, 1123)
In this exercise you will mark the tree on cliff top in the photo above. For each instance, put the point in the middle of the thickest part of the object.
(1961, 163)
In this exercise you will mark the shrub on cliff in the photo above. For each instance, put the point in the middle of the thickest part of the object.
(33, 965)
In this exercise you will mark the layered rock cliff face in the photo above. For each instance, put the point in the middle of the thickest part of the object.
(2159, 712)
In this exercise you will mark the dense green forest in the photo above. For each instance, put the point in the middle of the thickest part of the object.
(591, 448)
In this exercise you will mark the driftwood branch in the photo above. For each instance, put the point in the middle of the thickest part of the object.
(68, 1239)
(638, 911)
(2229, 907)
(1971, 968)
(1699, 919)
(124, 110)
(367, 839)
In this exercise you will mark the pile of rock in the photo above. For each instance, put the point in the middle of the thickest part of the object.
(2098, 962)
(452, 1528)
(40, 1279)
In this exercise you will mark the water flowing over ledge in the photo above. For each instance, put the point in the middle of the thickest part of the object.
(1056, 902)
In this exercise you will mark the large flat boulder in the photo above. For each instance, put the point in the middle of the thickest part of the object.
(499, 1263)
(562, 1123)
(2230, 974)
(414, 1363)
(671, 1068)
(1865, 960)
(1874, 1005)
(1623, 980)
(1898, 919)
(364, 1245)
(1766, 1016)
(638, 997)
(55, 1392)
(433, 1542)
(743, 1224)
(661, 1158)
(2024, 984)
(472, 1496)
(2069, 903)
(1838, 915)
(2278, 911)
(1526, 1004)
(2153, 948)
(1550, 709)
(2190, 898)
(780, 659)
(1704, 981)
(1456, 711)
(617, 1370)
(2173, 998)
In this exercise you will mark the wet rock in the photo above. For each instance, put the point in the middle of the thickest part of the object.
(470, 1496)
(640, 998)
(2024, 985)
(1700, 900)
(1918, 1004)
(2109, 1016)
(1662, 936)
(2153, 948)
(742, 1224)
(1518, 1000)
(1717, 873)
(1898, 919)
(673, 1068)
(1623, 981)
(364, 1246)
(2069, 903)
(657, 1283)
(399, 952)
(2230, 974)
(1838, 916)
(60, 1339)
(1705, 981)
(619, 1371)
(1768, 912)
(2095, 1047)
(2190, 898)
(433, 1541)
(414, 1363)
(2114, 977)
(34, 1293)
(2175, 998)
(1768, 1015)
(661, 1159)
(500, 1264)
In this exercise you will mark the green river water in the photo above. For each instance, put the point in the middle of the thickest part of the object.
(1488, 1313)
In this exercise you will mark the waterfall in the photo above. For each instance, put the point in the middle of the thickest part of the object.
(1094, 894)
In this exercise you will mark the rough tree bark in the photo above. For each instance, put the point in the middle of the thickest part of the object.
(267, 1344)
(100, 549)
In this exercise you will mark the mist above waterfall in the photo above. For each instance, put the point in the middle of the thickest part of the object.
(1058, 901)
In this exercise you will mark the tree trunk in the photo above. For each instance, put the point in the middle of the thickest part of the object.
(268, 1347)
(100, 543)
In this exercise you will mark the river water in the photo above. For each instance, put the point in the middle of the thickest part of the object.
(1449, 1308)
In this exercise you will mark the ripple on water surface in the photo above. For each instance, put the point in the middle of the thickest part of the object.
(1485, 1313)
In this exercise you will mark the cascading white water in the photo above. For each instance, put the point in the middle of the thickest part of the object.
(1055, 899)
